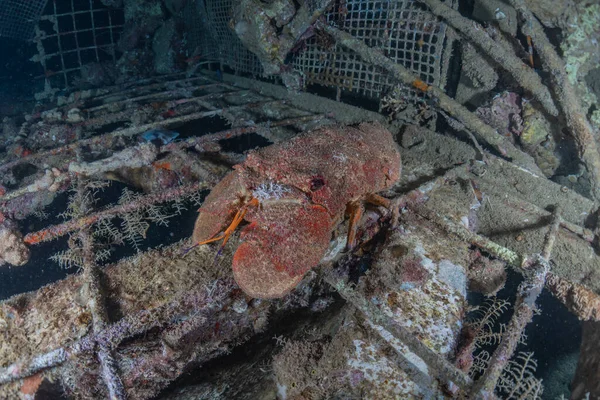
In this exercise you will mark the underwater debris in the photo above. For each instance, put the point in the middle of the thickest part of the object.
(139, 156)
(445, 102)
(497, 49)
(162, 135)
(137, 296)
(271, 30)
(568, 100)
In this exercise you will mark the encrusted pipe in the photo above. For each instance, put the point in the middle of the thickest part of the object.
(527, 294)
(55, 231)
(501, 252)
(442, 100)
(96, 304)
(524, 75)
(133, 157)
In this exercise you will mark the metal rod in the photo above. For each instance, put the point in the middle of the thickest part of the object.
(503, 56)
(96, 303)
(440, 367)
(568, 100)
(56, 231)
(527, 294)
(442, 100)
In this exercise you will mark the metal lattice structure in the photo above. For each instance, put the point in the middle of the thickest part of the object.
(402, 29)
(18, 18)
(77, 33)
(184, 100)
(73, 34)
(215, 40)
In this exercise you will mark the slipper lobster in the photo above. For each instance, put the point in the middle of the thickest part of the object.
(293, 195)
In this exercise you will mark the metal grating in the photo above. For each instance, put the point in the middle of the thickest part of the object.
(18, 17)
(75, 33)
(195, 20)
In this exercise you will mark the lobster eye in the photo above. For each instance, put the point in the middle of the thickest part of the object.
(316, 184)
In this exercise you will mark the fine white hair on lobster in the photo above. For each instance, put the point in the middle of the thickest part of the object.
(269, 191)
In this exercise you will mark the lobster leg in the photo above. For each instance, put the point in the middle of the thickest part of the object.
(239, 217)
(378, 200)
(357, 209)
(222, 211)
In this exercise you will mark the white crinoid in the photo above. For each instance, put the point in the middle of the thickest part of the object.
(269, 191)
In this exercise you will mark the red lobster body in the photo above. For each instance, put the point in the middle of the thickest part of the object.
(302, 188)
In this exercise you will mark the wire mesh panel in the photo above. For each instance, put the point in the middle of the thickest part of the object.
(195, 20)
(18, 17)
(231, 50)
(402, 29)
(77, 34)
(209, 36)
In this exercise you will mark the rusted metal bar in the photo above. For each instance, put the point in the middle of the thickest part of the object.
(137, 86)
(451, 227)
(96, 303)
(202, 141)
(104, 140)
(198, 142)
(442, 100)
(129, 100)
(126, 114)
(55, 231)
